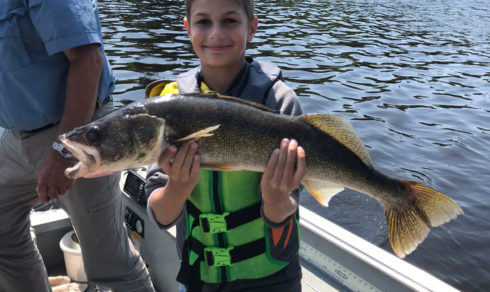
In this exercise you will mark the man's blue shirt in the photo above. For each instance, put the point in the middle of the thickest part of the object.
(33, 67)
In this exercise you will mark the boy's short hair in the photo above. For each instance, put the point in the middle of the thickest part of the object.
(247, 5)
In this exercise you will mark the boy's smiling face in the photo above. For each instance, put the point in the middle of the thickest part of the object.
(219, 31)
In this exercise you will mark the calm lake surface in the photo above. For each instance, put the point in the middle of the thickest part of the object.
(413, 77)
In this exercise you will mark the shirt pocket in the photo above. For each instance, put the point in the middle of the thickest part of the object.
(12, 49)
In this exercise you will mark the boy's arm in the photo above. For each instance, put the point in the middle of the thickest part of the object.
(156, 180)
(283, 174)
(284, 99)
(182, 168)
(153, 218)
(166, 206)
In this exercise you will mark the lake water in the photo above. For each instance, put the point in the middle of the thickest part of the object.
(413, 77)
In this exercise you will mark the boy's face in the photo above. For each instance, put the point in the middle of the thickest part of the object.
(219, 32)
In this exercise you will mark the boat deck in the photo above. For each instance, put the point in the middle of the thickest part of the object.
(332, 258)
(50, 226)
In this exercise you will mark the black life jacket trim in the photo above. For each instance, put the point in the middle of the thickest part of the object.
(233, 219)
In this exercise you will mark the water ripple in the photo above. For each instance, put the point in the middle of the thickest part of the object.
(412, 76)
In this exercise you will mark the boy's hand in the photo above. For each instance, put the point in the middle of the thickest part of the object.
(283, 173)
(182, 167)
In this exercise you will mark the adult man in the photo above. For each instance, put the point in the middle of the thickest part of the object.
(53, 77)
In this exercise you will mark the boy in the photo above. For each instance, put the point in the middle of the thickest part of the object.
(256, 247)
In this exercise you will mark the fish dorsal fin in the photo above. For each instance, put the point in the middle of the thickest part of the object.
(233, 99)
(340, 129)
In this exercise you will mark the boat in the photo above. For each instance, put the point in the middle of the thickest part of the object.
(332, 258)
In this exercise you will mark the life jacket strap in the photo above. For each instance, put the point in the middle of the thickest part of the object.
(216, 223)
(218, 256)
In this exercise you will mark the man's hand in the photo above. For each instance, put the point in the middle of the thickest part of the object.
(52, 181)
(283, 173)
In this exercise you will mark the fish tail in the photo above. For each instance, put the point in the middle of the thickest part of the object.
(408, 226)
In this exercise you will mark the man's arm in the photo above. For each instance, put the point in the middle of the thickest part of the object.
(86, 64)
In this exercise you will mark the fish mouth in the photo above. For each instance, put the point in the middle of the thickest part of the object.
(88, 157)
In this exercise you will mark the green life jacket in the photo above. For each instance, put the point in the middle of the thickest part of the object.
(226, 235)
(226, 238)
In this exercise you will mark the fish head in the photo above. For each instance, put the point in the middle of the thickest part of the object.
(114, 143)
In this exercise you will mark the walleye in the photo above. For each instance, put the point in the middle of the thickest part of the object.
(234, 134)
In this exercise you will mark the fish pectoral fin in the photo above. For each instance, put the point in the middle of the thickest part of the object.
(199, 134)
(322, 191)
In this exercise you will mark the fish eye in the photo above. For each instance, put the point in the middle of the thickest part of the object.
(93, 134)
